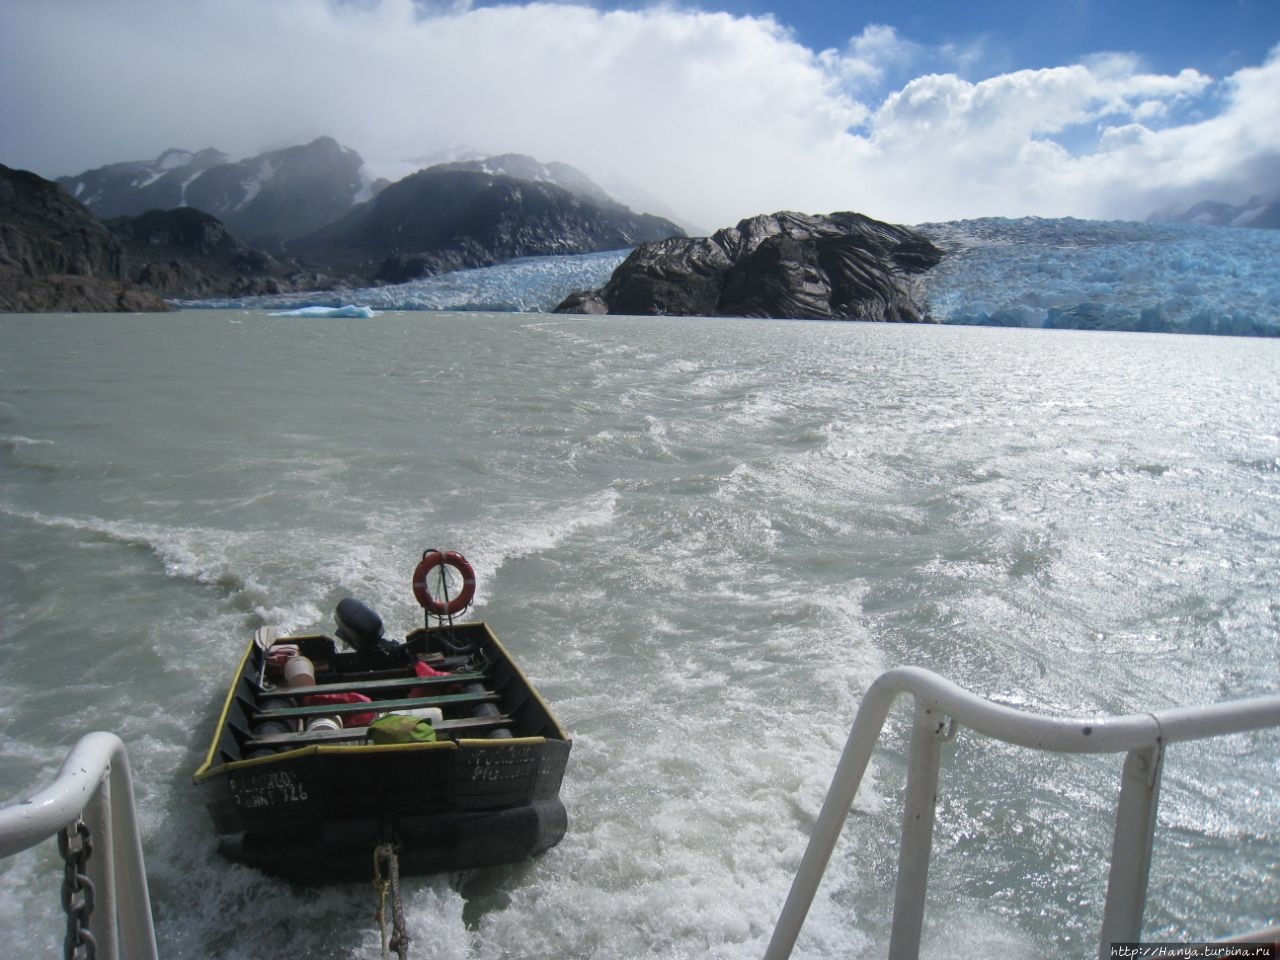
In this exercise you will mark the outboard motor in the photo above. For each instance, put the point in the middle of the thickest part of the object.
(360, 628)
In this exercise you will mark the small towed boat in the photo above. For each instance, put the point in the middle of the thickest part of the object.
(438, 745)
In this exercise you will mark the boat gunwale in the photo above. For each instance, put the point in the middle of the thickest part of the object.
(206, 768)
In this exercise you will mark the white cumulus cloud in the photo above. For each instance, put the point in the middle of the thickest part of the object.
(718, 116)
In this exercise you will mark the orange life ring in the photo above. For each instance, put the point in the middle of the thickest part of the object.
(432, 559)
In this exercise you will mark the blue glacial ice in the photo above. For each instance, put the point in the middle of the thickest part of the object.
(531, 285)
(1087, 274)
(1082, 274)
(350, 310)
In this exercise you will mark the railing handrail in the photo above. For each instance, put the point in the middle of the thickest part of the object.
(95, 783)
(941, 707)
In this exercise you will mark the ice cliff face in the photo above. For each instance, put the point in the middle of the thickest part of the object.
(1085, 274)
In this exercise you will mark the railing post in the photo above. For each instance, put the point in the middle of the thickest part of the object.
(135, 924)
(102, 869)
(95, 783)
(863, 735)
(1131, 848)
(1142, 735)
(927, 734)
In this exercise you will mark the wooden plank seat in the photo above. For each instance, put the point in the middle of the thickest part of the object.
(348, 734)
(364, 686)
(376, 706)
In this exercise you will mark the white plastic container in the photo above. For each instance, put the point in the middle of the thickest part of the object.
(432, 714)
(299, 672)
(316, 724)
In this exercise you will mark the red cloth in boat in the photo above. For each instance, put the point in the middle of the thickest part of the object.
(424, 670)
(349, 719)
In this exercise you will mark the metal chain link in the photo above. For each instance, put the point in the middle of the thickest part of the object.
(384, 886)
(76, 846)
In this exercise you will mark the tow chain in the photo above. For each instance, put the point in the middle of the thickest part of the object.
(385, 884)
(75, 846)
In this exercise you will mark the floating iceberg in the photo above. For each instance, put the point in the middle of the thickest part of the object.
(350, 310)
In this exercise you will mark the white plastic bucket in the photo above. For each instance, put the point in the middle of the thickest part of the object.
(299, 672)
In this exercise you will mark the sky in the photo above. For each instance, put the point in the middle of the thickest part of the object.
(905, 110)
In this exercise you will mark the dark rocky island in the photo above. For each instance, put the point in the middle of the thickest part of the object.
(842, 266)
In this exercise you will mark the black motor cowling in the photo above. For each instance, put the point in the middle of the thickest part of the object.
(361, 629)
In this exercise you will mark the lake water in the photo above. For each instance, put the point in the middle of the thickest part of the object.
(703, 539)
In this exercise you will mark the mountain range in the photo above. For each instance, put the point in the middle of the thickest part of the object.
(280, 196)
(194, 225)
(456, 217)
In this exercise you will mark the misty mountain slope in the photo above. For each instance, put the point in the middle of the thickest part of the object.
(521, 167)
(133, 187)
(445, 218)
(265, 200)
(276, 197)
(1257, 213)
(273, 197)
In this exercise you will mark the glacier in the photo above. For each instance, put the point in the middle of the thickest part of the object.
(1103, 275)
(527, 285)
(1030, 272)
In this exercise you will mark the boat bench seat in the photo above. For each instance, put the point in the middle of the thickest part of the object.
(376, 706)
(357, 734)
(367, 686)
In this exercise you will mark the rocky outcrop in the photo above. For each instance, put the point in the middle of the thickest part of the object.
(56, 256)
(442, 219)
(187, 254)
(189, 234)
(841, 266)
(66, 293)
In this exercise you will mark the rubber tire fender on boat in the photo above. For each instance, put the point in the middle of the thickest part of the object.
(432, 559)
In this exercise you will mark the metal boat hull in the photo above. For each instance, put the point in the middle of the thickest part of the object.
(313, 810)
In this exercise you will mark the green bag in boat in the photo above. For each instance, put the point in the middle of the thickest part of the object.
(397, 728)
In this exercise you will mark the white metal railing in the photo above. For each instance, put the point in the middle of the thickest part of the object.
(941, 708)
(94, 784)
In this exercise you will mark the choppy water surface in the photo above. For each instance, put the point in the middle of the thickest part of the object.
(703, 539)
